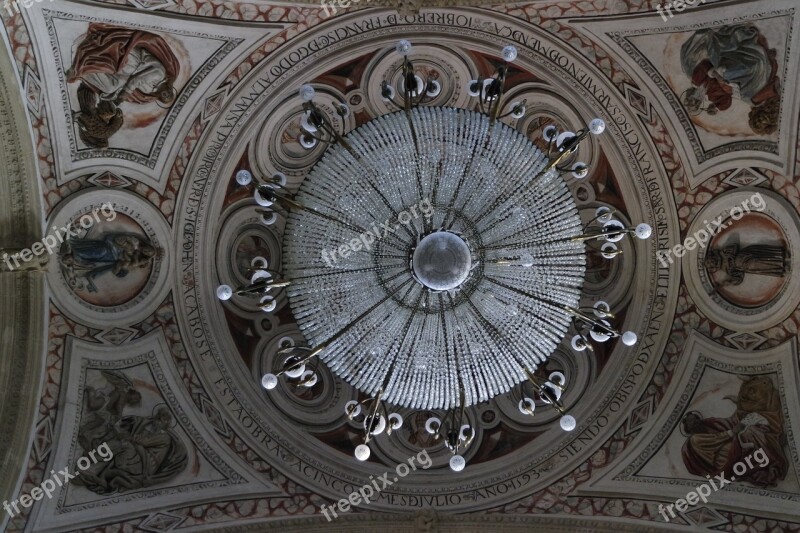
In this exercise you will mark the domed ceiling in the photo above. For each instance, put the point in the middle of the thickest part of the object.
(139, 115)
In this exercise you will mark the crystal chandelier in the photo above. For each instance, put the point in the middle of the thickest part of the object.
(434, 258)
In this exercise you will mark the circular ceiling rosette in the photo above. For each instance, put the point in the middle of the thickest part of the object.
(484, 296)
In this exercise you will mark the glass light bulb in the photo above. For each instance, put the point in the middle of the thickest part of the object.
(307, 93)
(643, 231)
(603, 213)
(279, 178)
(549, 133)
(597, 126)
(308, 142)
(434, 89)
(578, 343)
(629, 338)
(403, 47)
(260, 200)
(509, 53)
(269, 381)
(362, 452)
(457, 463)
(295, 372)
(224, 292)
(306, 124)
(558, 378)
(580, 170)
(395, 421)
(268, 303)
(608, 250)
(568, 422)
(269, 219)
(527, 406)
(432, 425)
(353, 406)
(601, 308)
(244, 177)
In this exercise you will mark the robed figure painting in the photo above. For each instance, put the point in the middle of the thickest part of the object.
(715, 445)
(115, 65)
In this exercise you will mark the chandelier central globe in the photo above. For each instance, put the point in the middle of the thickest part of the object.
(442, 261)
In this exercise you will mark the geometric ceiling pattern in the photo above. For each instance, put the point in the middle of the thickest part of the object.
(137, 352)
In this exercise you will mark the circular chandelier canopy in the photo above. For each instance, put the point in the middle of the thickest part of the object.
(434, 257)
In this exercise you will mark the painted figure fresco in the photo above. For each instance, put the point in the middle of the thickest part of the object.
(115, 65)
(145, 449)
(715, 445)
(730, 62)
(736, 262)
(113, 253)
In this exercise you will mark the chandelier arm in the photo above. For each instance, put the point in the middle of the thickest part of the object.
(579, 315)
(371, 418)
(603, 234)
(610, 213)
(542, 391)
(326, 125)
(261, 287)
(495, 105)
(302, 361)
(316, 138)
(565, 153)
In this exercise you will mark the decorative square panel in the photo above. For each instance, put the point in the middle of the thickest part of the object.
(159, 522)
(109, 180)
(43, 439)
(746, 341)
(745, 177)
(33, 91)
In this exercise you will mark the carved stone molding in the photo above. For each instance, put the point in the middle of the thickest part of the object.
(22, 305)
(429, 521)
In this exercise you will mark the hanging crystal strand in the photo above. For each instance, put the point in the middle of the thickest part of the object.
(521, 176)
(500, 360)
(431, 151)
(405, 342)
(478, 142)
(494, 151)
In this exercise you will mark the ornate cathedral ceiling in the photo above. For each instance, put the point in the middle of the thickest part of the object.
(137, 351)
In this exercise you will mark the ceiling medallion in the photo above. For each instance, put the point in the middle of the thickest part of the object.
(434, 258)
